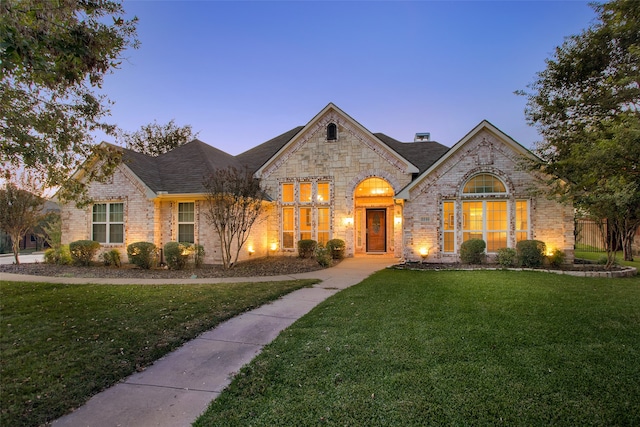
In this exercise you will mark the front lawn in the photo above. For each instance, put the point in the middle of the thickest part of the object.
(450, 348)
(60, 344)
(597, 256)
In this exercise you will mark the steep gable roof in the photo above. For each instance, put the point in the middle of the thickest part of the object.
(255, 157)
(411, 168)
(483, 125)
(420, 154)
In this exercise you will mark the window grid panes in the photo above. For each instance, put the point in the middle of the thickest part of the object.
(522, 220)
(108, 223)
(305, 223)
(484, 183)
(287, 228)
(186, 222)
(323, 192)
(448, 226)
(374, 187)
(323, 225)
(287, 193)
(305, 192)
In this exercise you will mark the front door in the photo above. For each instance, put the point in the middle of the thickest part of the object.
(376, 230)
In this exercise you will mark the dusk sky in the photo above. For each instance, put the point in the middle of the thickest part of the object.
(244, 72)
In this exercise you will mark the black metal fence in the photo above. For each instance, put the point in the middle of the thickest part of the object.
(590, 237)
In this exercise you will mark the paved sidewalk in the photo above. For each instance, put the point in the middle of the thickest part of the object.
(176, 389)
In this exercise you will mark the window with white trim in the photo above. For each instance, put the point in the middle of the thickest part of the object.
(306, 212)
(186, 222)
(108, 223)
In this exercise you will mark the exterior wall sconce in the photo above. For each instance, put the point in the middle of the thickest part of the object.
(398, 220)
(348, 220)
(424, 253)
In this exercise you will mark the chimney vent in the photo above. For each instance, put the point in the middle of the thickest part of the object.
(422, 137)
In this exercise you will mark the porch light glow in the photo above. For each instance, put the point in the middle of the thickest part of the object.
(348, 220)
(398, 220)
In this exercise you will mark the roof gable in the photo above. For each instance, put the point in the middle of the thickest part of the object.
(484, 125)
(316, 122)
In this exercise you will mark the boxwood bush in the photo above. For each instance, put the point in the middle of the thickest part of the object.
(507, 257)
(111, 258)
(335, 247)
(307, 248)
(59, 255)
(83, 251)
(142, 254)
(323, 256)
(472, 251)
(531, 253)
(176, 255)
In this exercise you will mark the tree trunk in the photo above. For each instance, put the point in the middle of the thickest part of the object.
(15, 245)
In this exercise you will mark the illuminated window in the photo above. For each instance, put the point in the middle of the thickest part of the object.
(288, 228)
(374, 187)
(448, 226)
(305, 223)
(486, 220)
(186, 222)
(323, 225)
(484, 183)
(305, 192)
(323, 192)
(522, 220)
(108, 222)
(287, 192)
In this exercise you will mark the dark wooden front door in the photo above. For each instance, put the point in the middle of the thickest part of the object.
(376, 230)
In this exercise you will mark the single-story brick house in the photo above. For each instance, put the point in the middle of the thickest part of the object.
(333, 178)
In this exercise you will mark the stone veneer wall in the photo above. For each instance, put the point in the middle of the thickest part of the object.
(345, 162)
(485, 152)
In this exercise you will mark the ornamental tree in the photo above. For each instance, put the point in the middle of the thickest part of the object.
(235, 202)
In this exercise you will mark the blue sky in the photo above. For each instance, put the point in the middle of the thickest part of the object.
(243, 72)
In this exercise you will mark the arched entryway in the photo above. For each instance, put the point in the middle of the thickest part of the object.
(374, 209)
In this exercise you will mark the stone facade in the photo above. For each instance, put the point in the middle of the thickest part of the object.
(314, 179)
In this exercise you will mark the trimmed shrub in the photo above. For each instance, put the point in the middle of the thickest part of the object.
(531, 252)
(323, 256)
(83, 251)
(143, 254)
(336, 247)
(557, 257)
(59, 255)
(198, 255)
(306, 248)
(472, 251)
(176, 255)
(507, 257)
(111, 257)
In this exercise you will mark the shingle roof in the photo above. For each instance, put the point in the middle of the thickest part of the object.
(182, 170)
(258, 156)
(420, 154)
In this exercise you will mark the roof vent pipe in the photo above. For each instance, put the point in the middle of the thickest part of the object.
(422, 137)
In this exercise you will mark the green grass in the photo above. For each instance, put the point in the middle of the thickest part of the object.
(60, 344)
(596, 256)
(450, 348)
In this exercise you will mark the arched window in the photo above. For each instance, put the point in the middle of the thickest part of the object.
(332, 132)
(483, 184)
(487, 213)
(374, 187)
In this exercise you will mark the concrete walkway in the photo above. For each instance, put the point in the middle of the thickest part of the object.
(176, 389)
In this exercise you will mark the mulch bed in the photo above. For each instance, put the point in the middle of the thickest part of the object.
(269, 266)
(459, 266)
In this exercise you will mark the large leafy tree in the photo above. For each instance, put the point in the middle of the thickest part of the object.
(155, 139)
(54, 54)
(585, 104)
(235, 201)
